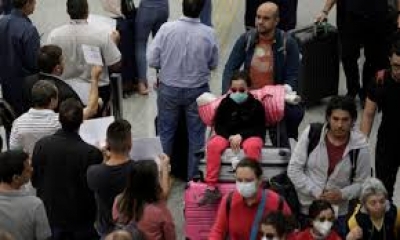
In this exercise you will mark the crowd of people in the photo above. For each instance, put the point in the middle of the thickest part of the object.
(54, 185)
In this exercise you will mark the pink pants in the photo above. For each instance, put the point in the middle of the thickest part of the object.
(217, 145)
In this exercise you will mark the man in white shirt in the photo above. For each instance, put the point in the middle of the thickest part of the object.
(70, 37)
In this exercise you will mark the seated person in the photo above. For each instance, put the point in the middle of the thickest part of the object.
(322, 217)
(277, 226)
(51, 66)
(41, 120)
(239, 122)
(377, 218)
(244, 204)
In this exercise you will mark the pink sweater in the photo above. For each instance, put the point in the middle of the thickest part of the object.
(156, 222)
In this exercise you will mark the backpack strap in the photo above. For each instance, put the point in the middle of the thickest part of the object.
(353, 159)
(227, 210)
(258, 217)
(314, 136)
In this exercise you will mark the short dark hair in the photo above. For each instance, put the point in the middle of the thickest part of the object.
(396, 45)
(49, 57)
(43, 92)
(279, 221)
(252, 164)
(71, 115)
(317, 206)
(77, 9)
(118, 135)
(12, 164)
(344, 103)
(20, 3)
(192, 8)
(241, 75)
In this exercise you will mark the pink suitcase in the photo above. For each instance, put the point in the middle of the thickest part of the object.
(199, 220)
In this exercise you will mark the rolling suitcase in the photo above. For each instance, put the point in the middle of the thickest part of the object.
(199, 220)
(319, 71)
(274, 161)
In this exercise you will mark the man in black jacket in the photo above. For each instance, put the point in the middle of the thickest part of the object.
(239, 122)
(60, 163)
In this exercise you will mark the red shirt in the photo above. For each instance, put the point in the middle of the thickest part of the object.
(335, 154)
(262, 64)
(306, 235)
(241, 216)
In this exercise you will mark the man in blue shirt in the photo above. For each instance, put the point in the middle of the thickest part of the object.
(19, 48)
(185, 51)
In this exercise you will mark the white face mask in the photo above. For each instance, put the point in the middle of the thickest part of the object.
(246, 189)
(265, 238)
(323, 228)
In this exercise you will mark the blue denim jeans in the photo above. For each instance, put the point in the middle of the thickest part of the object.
(206, 13)
(148, 20)
(170, 100)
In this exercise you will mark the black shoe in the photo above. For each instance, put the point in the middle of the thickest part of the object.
(210, 197)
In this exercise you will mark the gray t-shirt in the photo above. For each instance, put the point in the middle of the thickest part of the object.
(23, 216)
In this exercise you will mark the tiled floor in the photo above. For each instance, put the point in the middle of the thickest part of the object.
(228, 22)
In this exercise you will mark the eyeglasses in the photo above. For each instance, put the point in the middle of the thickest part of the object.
(324, 219)
(241, 89)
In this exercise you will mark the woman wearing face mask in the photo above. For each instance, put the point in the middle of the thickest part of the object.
(322, 217)
(239, 123)
(240, 213)
(377, 218)
(277, 226)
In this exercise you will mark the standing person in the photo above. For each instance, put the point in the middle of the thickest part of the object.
(185, 51)
(383, 95)
(330, 162)
(109, 178)
(22, 215)
(60, 162)
(124, 11)
(287, 12)
(151, 15)
(142, 202)
(19, 48)
(366, 25)
(244, 202)
(70, 37)
(206, 13)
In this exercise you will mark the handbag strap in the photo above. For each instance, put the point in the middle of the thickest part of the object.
(257, 219)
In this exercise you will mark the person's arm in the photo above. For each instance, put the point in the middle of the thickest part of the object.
(37, 165)
(165, 179)
(235, 61)
(93, 103)
(213, 63)
(31, 48)
(397, 224)
(297, 166)
(221, 123)
(15, 138)
(292, 64)
(111, 53)
(220, 227)
(154, 50)
(325, 11)
(363, 172)
(42, 227)
(368, 117)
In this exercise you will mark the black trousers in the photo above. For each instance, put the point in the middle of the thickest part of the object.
(387, 162)
(374, 35)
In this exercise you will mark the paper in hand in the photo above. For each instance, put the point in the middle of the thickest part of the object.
(94, 131)
(106, 23)
(92, 55)
(146, 149)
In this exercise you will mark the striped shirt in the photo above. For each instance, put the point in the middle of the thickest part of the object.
(32, 126)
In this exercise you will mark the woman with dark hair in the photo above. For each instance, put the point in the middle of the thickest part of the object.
(322, 217)
(142, 202)
(247, 205)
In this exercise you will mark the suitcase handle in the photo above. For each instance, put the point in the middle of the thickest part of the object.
(324, 26)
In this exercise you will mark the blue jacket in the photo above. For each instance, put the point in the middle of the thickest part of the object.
(286, 58)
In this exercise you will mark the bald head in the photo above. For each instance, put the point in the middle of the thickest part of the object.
(267, 19)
